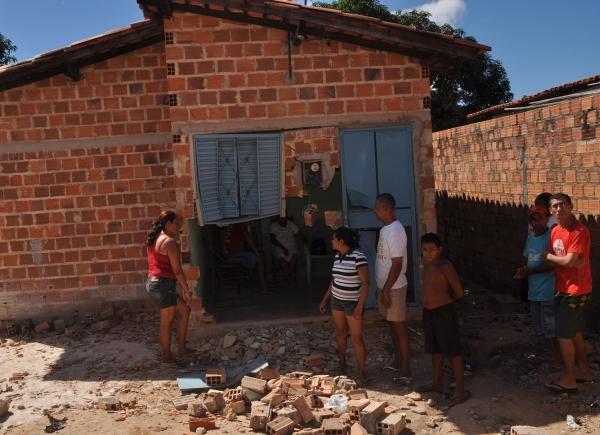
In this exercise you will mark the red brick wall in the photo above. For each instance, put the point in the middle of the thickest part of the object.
(120, 96)
(74, 211)
(234, 77)
(486, 171)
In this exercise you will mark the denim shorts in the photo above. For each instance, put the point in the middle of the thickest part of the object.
(162, 290)
(543, 317)
(347, 307)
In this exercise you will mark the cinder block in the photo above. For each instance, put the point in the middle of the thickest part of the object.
(346, 384)
(213, 401)
(254, 384)
(322, 414)
(10, 328)
(332, 426)
(268, 374)
(260, 414)
(238, 406)
(302, 406)
(357, 405)
(280, 426)
(391, 409)
(196, 409)
(527, 430)
(274, 398)
(181, 403)
(216, 377)
(233, 394)
(289, 412)
(357, 394)
(393, 424)
(310, 431)
(371, 414)
(205, 422)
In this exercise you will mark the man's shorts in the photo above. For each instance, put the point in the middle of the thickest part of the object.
(347, 307)
(396, 312)
(569, 314)
(440, 327)
(543, 317)
(245, 259)
(163, 291)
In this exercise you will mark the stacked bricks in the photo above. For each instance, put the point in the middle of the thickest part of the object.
(124, 95)
(487, 171)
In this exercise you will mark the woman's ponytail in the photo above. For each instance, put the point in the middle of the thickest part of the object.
(159, 225)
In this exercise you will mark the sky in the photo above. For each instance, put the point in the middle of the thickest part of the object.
(541, 43)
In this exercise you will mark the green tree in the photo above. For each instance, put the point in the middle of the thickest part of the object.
(6, 50)
(467, 86)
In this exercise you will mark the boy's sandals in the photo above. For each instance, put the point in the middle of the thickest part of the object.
(457, 400)
(559, 389)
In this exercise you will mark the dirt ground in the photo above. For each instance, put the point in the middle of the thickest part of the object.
(507, 367)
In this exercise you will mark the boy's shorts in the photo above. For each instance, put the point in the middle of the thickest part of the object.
(543, 317)
(163, 291)
(569, 314)
(396, 312)
(347, 307)
(440, 326)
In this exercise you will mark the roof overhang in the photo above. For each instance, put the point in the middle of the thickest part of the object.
(68, 60)
(435, 49)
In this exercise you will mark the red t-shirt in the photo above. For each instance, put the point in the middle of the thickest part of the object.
(572, 280)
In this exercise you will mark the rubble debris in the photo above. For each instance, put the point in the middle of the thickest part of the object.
(254, 384)
(42, 327)
(109, 403)
(333, 426)
(357, 429)
(280, 426)
(205, 422)
(213, 401)
(260, 414)
(18, 376)
(196, 409)
(215, 377)
(393, 424)
(182, 402)
(55, 424)
(370, 415)
(527, 430)
(228, 341)
(4, 405)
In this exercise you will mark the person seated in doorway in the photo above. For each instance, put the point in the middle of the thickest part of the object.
(240, 248)
(284, 233)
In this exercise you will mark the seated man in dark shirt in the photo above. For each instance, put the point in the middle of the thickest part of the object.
(240, 248)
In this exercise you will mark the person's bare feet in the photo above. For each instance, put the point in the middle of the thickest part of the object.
(168, 359)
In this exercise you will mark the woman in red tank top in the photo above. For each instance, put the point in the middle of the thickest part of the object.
(164, 272)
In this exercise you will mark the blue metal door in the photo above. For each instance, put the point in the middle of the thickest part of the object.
(374, 161)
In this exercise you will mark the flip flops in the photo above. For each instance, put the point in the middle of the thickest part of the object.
(457, 400)
(585, 381)
(559, 389)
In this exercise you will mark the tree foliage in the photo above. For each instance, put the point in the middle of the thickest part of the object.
(467, 86)
(6, 50)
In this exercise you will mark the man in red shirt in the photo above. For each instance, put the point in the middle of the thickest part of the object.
(569, 253)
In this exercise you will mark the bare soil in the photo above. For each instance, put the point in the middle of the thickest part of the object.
(507, 368)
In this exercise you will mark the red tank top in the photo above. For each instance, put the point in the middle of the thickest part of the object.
(159, 264)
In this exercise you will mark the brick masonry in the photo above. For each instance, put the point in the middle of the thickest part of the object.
(487, 171)
(87, 165)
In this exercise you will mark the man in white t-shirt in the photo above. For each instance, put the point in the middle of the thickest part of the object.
(390, 274)
(283, 238)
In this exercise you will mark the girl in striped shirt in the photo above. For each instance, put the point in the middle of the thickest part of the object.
(348, 293)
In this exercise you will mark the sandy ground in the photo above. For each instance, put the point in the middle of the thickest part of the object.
(507, 366)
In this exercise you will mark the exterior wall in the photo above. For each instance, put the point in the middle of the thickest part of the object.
(85, 167)
(487, 171)
(232, 77)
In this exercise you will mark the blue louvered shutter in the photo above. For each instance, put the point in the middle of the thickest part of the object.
(269, 174)
(207, 170)
(228, 178)
(248, 175)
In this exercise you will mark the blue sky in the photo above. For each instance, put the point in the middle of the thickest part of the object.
(541, 43)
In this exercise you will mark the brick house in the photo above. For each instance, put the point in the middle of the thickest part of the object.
(488, 171)
(97, 137)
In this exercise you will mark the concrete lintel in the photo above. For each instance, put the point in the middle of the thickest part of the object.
(281, 124)
(100, 142)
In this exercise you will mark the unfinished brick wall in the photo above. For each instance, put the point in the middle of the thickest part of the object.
(78, 191)
(486, 171)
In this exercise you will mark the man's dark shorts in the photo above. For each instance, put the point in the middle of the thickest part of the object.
(163, 291)
(569, 314)
(347, 307)
(441, 330)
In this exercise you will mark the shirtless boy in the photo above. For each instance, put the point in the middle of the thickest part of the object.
(440, 288)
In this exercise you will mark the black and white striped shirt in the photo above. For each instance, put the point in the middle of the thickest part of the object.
(346, 281)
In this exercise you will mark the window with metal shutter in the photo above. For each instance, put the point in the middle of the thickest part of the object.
(238, 176)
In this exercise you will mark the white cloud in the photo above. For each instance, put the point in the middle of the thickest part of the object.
(445, 11)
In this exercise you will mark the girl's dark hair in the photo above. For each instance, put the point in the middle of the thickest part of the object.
(159, 225)
(347, 236)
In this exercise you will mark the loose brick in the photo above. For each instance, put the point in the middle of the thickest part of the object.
(280, 426)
